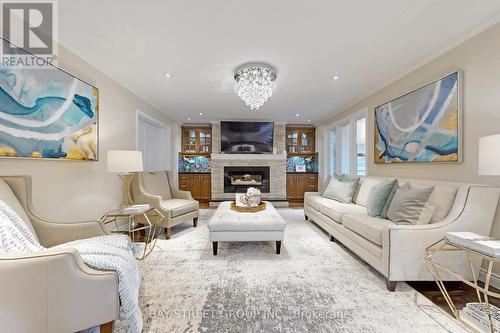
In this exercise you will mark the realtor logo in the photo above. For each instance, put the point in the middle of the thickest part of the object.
(29, 33)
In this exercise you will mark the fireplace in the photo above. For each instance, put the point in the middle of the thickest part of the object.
(237, 179)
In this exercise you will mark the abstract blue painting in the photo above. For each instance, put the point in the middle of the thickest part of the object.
(422, 126)
(47, 113)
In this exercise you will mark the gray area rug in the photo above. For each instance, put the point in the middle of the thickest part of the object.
(313, 286)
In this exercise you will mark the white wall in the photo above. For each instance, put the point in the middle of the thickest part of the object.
(82, 190)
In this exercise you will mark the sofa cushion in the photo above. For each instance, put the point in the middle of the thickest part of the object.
(335, 210)
(367, 226)
(408, 204)
(315, 200)
(442, 197)
(156, 183)
(7, 196)
(365, 188)
(341, 189)
(378, 197)
(180, 206)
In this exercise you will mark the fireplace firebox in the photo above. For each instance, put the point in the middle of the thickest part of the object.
(237, 179)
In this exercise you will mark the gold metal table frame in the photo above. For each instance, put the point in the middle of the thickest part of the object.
(150, 217)
(483, 293)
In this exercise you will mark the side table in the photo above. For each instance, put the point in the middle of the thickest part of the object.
(483, 293)
(150, 219)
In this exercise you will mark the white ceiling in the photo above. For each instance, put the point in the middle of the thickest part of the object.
(367, 43)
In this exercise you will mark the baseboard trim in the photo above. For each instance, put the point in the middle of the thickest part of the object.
(495, 278)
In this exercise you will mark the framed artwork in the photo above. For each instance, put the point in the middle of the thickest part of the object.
(48, 114)
(423, 126)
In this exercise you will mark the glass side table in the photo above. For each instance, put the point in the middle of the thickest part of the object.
(144, 221)
(483, 293)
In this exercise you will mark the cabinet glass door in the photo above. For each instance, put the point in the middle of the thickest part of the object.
(205, 141)
(306, 142)
(189, 139)
(292, 141)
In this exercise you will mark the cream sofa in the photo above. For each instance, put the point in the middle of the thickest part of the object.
(397, 251)
(52, 291)
(156, 189)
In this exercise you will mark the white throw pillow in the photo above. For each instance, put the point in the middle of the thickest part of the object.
(341, 189)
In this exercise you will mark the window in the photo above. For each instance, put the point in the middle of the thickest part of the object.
(346, 144)
(361, 147)
(153, 139)
(345, 152)
(332, 151)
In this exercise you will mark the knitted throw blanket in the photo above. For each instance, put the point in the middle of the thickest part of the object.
(111, 252)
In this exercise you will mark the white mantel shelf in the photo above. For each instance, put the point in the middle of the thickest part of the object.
(266, 157)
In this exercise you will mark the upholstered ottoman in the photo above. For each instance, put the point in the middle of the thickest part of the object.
(227, 225)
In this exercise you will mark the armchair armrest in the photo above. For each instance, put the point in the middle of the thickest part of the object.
(404, 245)
(178, 194)
(51, 285)
(53, 233)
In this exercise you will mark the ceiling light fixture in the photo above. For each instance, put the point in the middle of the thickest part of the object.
(308, 120)
(201, 113)
(189, 119)
(168, 75)
(255, 83)
(297, 115)
(335, 77)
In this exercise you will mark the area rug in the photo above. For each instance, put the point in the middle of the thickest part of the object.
(313, 286)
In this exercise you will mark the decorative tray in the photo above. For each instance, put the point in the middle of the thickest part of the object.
(248, 209)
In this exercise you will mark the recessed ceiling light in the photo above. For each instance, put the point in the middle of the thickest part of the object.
(201, 113)
(335, 77)
(308, 120)
(189, 119)
(297, 115)
(168, 75)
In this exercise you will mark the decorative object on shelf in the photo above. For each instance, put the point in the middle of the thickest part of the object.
(489, 155)
(255, 83)
(253, 195)
(248, 209)
(125, 163)
(310, 162)
(47, 114)
(300, 167)
(241, 199)
(421, 126)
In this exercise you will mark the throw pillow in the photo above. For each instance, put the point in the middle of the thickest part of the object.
(408, 204)
(341, 189)
(378, 197)
(395, 188)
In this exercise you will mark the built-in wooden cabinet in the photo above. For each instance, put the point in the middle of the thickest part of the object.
(199, 184)
(196, 140)
(300, 140)
(299, 183)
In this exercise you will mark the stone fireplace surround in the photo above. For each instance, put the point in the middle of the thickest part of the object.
(275, 162)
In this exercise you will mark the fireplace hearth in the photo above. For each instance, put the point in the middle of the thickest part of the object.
(237, 179)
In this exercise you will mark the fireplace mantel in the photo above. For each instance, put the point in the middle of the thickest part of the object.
(260, 157)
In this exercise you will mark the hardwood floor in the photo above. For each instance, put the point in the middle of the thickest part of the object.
(459, 292)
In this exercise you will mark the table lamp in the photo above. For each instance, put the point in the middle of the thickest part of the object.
(489, 155)
(125, 163)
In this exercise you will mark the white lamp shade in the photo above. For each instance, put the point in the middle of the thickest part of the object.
(489, 155)
(125, 161)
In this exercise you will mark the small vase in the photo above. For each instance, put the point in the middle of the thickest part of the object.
(254, 200)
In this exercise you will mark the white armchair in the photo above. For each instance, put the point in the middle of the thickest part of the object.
(52, 291)
(155, 188)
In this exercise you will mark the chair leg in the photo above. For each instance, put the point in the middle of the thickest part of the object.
(332, 239)
(106, 328)
(391, 285)
(195, 222)
(214, 247)
(278, 247)
(306, 217)
(168, 233)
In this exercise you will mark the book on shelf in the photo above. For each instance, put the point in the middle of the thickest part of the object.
(475, 314)
(464, 239)
(136, 208)
(488, 247)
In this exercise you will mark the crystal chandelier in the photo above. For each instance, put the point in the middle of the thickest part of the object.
(255, 84)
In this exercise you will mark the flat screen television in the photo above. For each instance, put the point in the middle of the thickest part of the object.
(239, 137)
